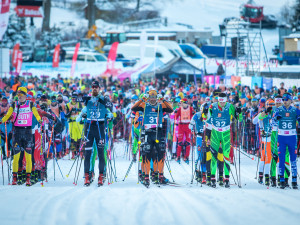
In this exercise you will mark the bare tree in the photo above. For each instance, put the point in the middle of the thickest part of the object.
(47, 12)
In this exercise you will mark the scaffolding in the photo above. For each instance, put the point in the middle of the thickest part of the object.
(246, 43)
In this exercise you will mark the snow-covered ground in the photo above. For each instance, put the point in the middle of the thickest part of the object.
(60, 202)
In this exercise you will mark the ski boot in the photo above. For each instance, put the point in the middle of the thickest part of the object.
(273, 182)
(15, 179)
(287, 182)
(21, 178)
(178, 160)
(186, 160)
(32, 177)
(146, 182)
(203, 178)
(36, 176)
(92, 177)
(100, 180)
(162, 179)
(267, 180)
(260, 178)
(226, 180)
(73, 155)
(208, 182)
(28, 182)
(87, 180)
(221, 182)
(155, 178)
(213, 182)
(141, 176)
(198, 176)
(282, 185)
(152, 175)
(294, 183)
(174, 156)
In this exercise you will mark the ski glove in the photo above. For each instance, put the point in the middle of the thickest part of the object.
(205, 111)
(160, 97)
(110, 115)
(145, 97)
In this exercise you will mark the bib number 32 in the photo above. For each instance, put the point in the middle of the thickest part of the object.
(220, 124)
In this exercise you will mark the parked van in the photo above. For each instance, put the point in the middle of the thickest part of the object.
(172, 46)
(85, 56)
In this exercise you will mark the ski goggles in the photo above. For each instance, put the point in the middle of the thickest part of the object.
(222, 99)
(184, 101)
(21, 93)
(152, 96)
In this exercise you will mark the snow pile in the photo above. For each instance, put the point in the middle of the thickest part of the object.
(60, 202)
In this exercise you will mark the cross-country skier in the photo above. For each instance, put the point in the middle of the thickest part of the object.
(95, 112)
(286, 116)
(197, 127)
(153, 141)
(264, 119)
(184, 115)
(22, 112)
(221, 114)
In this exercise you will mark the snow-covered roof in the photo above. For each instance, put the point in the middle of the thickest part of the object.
(293, 35)
(151, 34)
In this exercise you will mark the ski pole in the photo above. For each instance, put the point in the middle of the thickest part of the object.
(139, 142)
(169, 168)
(72, 166)
(2, 163)
(59, 168)
(7, 155)
(128, 170)
(78, 154)
(234, 158)
(76, 158)
(78, 171)
(193, 174)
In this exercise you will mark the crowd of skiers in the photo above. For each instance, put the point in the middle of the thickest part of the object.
(159, 120)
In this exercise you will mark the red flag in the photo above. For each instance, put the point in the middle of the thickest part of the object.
(74, 59)
(15, 55)
(56, 56)
(112, 55)
(19, 62)
(110, 66)
(4, 16)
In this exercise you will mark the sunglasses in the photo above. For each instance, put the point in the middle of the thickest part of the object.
(94, 87)
(285, 100)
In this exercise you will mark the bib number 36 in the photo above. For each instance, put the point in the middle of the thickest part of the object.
(287, 125)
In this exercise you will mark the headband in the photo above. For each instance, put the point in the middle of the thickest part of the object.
(278, 100)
